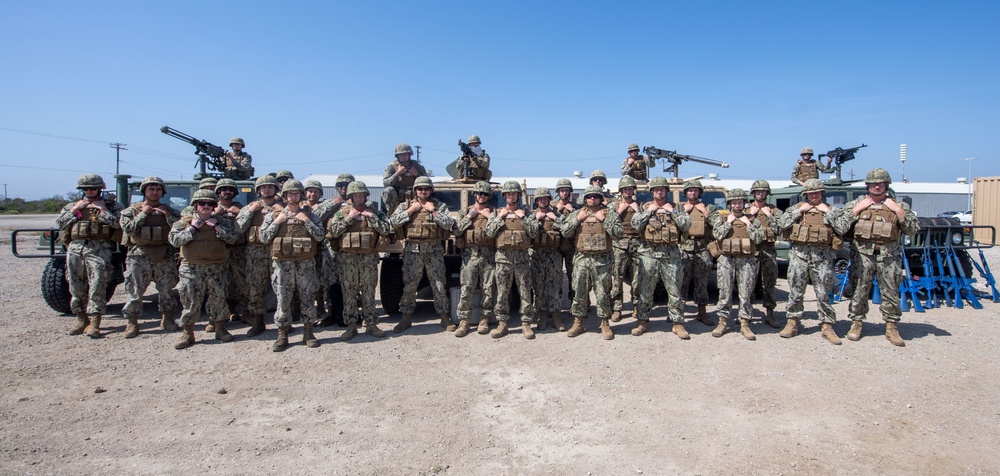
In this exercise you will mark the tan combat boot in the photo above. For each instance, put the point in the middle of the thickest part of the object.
(352, 330)
(526, 331)
(770, 320)
(82, 322)
(577, 327)
(187, 337)
(855, 333)
(221, 334)
(557, 323)
(372, 329)
(892, 334)
(307, 335)
(94, 329)
(680, 331)
(484, 325)
(829, 334)
(543, 321)
(463, 328)
(791, 328)
(616, 316)
(210, 326)
(745, 330)
(641, 327)
(606, 332)
(132, 328)
(500, 331)
(168, 323)
(703, 316)
(446, 323)
(404, 323)
(282, 341)
(257, 327)
(720, 329)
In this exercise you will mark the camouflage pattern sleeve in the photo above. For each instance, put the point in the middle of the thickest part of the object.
(66, 216)
(399, 217)
(787, 219)
(909, 225)
(443, 217)
(795, 174)
(180, 234)
(314, 227)
(483, 161)
(681, 218)
(626, 169)
(756, 231)
(379, 222)
(772, 221)
(268, 229)
(569, 224)
(243, 219)
(338, 224)
(493, 225)
(389, 177)
(641, 218)
(530, 223)
(464, 222)
(226, 230)
(846, 219)
(720, 226)
(826, 169)
(113, 215)
(613, 224)
(131, 220)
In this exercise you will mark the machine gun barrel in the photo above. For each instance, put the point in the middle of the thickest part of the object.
(203, 149)
(675, 159)
(839, 156)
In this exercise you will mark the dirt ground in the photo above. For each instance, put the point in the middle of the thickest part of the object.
(425, 402)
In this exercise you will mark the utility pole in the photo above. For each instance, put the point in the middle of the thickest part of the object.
(418, 152)
(119, 147)
(5, 191)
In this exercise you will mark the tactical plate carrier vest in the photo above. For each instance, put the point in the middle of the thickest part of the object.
(548, 237)
(253, 233)
(153, 231)
(512, 235)
(628, 233)
(423, 229)
(591, 237)
(89, 228)
(769, 237)
(638, 168)
(737, 242)
(699, 225)
(661, 230)
(475, 235)
(292, 242)
(807, 170)
(811, 230)
(877, 224)
(206, 247)
(359, 237)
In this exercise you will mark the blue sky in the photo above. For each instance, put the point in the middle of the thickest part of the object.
(551, 87)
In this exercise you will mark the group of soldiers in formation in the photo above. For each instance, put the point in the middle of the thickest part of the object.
(228, 251)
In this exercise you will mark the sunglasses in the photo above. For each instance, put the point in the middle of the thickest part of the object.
(205, 204)
(89, 189)
(423, 189)
(588, 197)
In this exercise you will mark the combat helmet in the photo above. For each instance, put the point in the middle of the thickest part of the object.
(657, 182)
(760, 185)
(203, 195)
(542, 192)
(291, 185)
(736, 194)
(357, 187)
(403, 149)
(626, 182)
(152, 179)
(807, 150)
(564, 183)
(598, 174)
(313, 184)
(474, 139)
(284, 174)
(90, 181)
(208, 183)
(482, 186)
(693, 184)
(343, 180)
(511, 186)
(224, 183)
(813, 185)
(632, 147)
(593, 190)
(423, 182)
(264, 180)
(237, 140)
(878, 175)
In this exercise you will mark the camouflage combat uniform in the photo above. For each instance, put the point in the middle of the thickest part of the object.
(478, 266)
(151, 258)
(203, 267)
(639, 168)
(236, 264)
(767, 256)
(513, 236)
(358, 260)
(258, 260)
(422, 252)
(397, 187)
(814, 236)
(737, 264)
(546, 267)
(567, 248)
(475, 167)
(626, 262)
(808, 168)
(695, 256)
(660, 260)
(293, 264)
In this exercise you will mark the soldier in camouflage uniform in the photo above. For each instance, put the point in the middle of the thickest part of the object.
(737, 235)
(146, 227)
(694, 253)
(513, 228)
(476, 167)
(598, 179)
(814, 230)
(283, 176)
(425, 222)
(877, 222)
(258, 261)
(767, 257)
(807, 168)
(478, 260)
(626, 249)
(564, 206)
(238, 163)
(660, 225)
(593, 228)
(202, 239)
(236, 253)
(294, 233)
(546, 261)
(207, 183)
(357, 226)
(328, 268)
(88, 228)
(312, 200)
(637, 166)
(399, 177)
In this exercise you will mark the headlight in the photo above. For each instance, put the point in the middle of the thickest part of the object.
(956, 239)
(907, 240)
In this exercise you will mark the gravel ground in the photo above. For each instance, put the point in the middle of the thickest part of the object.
(425, 402)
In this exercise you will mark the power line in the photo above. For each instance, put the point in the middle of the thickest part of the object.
(119, 147)
(46, 134)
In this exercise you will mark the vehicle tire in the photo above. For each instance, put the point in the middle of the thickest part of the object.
(55, 287)
(391, 284)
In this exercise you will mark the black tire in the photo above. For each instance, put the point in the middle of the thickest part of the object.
(391, 284)
(55, 287)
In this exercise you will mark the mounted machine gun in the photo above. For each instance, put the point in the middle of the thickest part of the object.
(675, 159)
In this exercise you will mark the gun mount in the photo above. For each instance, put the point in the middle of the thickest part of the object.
(675, 159)
(210, 156)
(838, 156)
